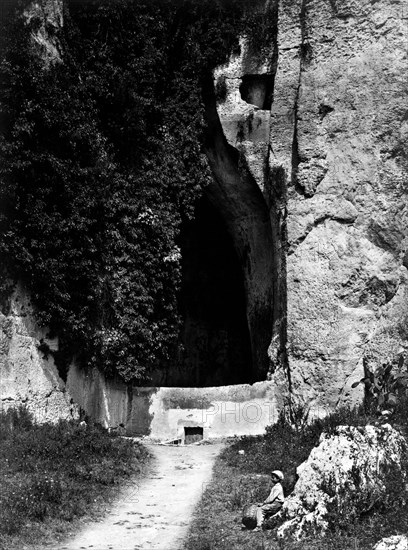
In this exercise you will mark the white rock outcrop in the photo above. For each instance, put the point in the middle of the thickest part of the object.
(397, 542)
(45, 19)
(348, 474)
(28, 377)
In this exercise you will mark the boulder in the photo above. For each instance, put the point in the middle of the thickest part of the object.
(350, 472)
(397, 542)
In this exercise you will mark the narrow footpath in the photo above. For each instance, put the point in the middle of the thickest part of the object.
(153, 513)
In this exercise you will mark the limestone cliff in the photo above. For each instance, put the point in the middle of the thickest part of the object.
(310, 169)
(334, 142)
(29, 377)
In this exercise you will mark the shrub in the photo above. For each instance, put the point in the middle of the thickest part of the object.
(57, 471)
(384, 387)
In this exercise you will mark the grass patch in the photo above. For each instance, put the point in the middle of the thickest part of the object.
(52, 475)
(217, 522)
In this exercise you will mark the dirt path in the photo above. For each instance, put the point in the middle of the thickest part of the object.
(155, 513)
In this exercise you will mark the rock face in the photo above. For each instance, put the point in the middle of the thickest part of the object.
(167, 413)
(319, 214)
(245, 115)
(336, 187)
(346, 475)
(45, 19)
(347, 200)
(27, 376)
(397, 542)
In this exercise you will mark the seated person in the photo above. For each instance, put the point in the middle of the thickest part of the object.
(274, 502)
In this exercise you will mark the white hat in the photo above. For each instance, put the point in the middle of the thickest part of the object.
(278, 474)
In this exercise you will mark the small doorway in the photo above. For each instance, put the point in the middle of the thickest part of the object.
(193, 434)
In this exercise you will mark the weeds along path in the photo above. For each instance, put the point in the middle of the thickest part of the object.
(153, 513)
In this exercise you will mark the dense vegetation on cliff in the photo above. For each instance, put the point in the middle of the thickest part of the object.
(101, 162)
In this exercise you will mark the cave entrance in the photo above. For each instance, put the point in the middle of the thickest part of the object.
(215, 336)
(193, 435)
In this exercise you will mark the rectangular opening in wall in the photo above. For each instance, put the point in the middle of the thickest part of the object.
(193, 434)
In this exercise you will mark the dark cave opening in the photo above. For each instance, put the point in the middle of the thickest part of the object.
(229, 297)
(215, 335)
(257, 89)
(193, 434)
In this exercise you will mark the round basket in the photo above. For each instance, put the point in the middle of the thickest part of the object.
(249, 516)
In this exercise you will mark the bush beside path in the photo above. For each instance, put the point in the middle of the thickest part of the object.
(54, 476)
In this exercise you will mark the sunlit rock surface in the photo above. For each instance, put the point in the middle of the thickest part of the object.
(45, 19)
(397, 542)
(336, 183)
(339, 87)
(348, 474)
(28, 377)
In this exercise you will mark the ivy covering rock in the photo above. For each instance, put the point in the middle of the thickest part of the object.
(101, 163)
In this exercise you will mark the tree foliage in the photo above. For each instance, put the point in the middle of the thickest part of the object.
(100, 162)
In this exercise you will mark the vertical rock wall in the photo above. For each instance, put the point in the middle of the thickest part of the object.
(234, 193)
(338, 187)
(347, 190)
(28, 377)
